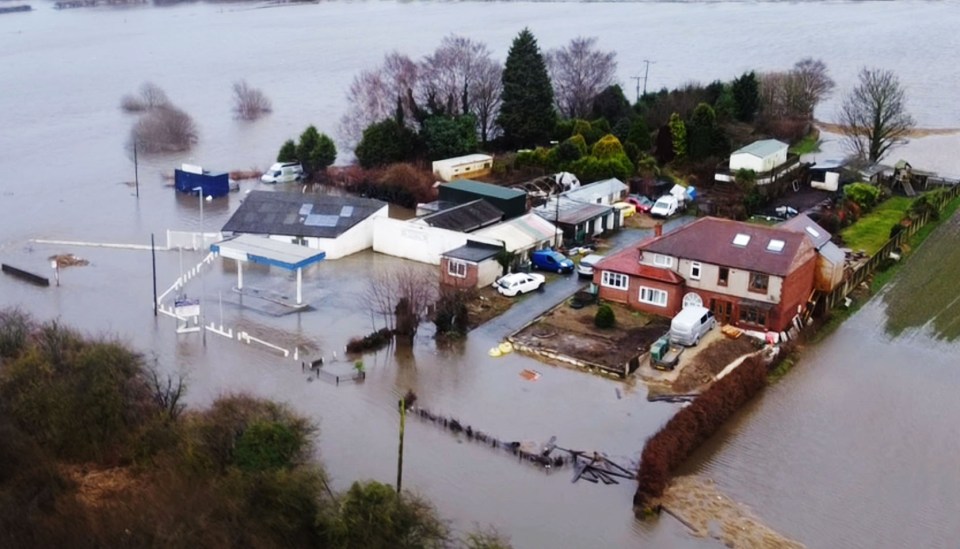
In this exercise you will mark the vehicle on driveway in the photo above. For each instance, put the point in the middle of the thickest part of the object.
(665, 206)
(551, 260)
(585, 268)
(626, 208)
(691, 324)
(640, 202)
(515, 284)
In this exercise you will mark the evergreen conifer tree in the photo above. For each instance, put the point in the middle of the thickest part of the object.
(527, 114)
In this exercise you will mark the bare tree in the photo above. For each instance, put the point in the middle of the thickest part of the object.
(796, 93)
(485, 92)
(874, 115)
(401, 298)
(809, 84)
(374, 94)
(579, 72)
(151, 96)
(167, 392)
(164, 129)
(249, 103)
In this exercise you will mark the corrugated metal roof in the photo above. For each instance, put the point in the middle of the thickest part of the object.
(520, 233)
(297, 214)
(265, 251)
(460, 160)
(484, 189)
(762, 148)
(571, 212)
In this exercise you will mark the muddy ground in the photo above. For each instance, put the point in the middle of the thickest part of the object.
(487, 304)
(571, 332)
(707, 512)
(709, 362)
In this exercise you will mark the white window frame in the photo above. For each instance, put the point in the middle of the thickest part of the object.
(617, 281)
(654, 296)
(661, 260)
(454, 266)
(696, 269)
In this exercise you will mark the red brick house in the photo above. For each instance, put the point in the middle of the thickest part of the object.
(752, 276)
(473, 265)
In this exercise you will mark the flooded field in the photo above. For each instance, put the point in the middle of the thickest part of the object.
(65, 175)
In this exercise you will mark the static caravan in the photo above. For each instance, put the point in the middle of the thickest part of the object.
(463, 167)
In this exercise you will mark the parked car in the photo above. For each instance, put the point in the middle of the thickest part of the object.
(519, 283)
(665, 206)
(283, 172)
(585, 268)
(627, 208)
(691, 324)
(640, 202)
(551, 260)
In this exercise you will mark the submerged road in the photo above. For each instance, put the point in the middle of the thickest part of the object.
(557, 290)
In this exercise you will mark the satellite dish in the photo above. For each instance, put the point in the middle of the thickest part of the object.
(692, 300)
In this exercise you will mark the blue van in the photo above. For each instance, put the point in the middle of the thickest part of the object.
(551, 260)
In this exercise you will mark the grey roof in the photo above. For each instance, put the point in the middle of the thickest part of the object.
(832, 253)
(762, 148)
(571, 212)
(484, 189)
(473, 251)
(296, 214)
(588, 193)
(465, 217)
(801, 223)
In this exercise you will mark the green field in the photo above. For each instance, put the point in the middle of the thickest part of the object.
(872, 231)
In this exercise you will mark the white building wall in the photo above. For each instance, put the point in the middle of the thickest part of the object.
(759, 165)
(356, 239)
(487, 272)
(416, 241)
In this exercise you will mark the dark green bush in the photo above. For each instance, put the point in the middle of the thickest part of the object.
(605, 318)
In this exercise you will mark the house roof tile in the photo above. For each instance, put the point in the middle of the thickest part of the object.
(628, 262)
(297, 214)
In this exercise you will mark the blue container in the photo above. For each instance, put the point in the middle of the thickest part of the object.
(212, 184)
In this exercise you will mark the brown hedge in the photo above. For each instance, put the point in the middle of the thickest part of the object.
(693, 425)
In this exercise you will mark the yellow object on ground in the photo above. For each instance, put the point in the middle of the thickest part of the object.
(505, 347)
(495, 352)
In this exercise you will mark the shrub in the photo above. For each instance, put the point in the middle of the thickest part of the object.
(164, 129)
(370, 342)
(451, 316)
(605, 318)
(863, 194)
(266, 445)
(14, 329)
(249, 103)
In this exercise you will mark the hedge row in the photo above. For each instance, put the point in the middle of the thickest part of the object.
(693, 425)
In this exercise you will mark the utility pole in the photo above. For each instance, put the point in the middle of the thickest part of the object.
(646, 72)
(136, 167)
(403, 415)
(638, 78)
(153, 255)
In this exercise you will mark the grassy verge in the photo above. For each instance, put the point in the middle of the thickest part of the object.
(872, 231)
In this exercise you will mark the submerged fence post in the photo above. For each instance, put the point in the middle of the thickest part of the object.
(403, 413)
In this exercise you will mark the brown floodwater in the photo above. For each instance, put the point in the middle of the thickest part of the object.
(860, 439)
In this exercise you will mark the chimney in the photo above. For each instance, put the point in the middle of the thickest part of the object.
(658, 229)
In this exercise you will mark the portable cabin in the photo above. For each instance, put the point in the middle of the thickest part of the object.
(188, 178)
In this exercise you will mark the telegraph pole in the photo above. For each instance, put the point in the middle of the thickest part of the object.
(403, 414)
(646, 72)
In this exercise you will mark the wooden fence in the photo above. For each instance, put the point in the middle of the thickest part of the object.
(827, 301)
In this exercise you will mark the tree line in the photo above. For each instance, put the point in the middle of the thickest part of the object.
(99, 450)
(459, 99)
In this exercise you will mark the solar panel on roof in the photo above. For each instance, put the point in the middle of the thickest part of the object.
(306, 209)
(346, 211)
(317, 220)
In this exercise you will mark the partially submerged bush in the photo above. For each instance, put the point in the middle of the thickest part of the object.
(249, 103)
(164, 129)
(451, 316)
(151, 96)
(371, 342)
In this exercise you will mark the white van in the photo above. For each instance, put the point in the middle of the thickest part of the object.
(283, 172)
(665, 206)
(585, 267)
(691, 324)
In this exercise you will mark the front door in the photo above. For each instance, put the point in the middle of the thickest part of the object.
(723, 310)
